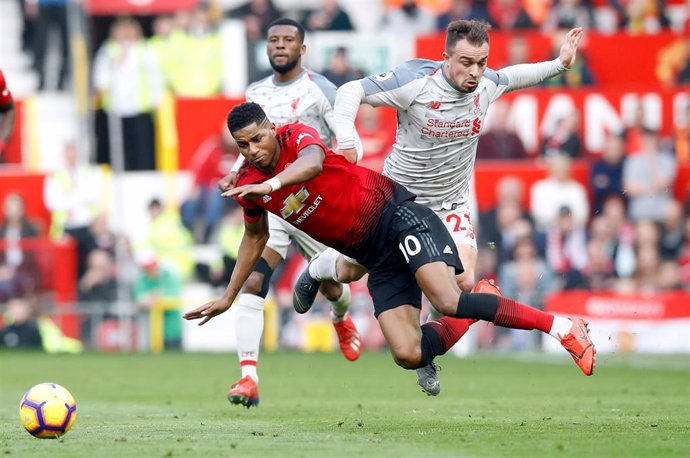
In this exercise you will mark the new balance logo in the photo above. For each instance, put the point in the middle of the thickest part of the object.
(303, 135)
(447, 250)
(433, 105)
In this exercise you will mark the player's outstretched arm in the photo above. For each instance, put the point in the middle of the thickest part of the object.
(526, 75)
(309, 164)
(252, 244)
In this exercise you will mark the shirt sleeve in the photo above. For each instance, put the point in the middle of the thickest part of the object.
(526, 75)
(396, 89)
(252, 212)
(303, 135)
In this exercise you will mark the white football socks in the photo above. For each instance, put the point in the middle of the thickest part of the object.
(323, 267)
(341, 306)
(560, 327)
(249, 326)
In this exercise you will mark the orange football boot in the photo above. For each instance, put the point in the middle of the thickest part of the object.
(578, 343)
(348, 338)
(245, 392)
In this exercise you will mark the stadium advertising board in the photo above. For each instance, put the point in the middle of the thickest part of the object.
(655, 323)
(114, 7)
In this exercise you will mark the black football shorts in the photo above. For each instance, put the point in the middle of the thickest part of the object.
(415, 236)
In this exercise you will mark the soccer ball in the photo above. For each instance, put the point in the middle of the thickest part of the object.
(47, 410)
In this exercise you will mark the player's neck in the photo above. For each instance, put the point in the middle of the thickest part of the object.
(287, 76)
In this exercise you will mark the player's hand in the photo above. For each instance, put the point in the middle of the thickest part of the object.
(349, 153)
(207, 311)
(227, 182)
(569, 47)
(250, 191)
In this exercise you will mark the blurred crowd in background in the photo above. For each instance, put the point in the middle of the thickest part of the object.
(624, 230)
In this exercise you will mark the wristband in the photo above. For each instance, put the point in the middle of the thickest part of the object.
(274, 183)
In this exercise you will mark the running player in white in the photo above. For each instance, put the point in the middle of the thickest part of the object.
(292, 93)
(441, 107)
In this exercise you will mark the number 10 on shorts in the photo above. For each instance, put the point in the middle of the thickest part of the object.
(410, 247)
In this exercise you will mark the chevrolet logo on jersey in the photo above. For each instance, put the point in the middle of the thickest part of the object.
(294, 203)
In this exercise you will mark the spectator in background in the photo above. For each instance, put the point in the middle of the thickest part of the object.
(168, 240)
(19, 271)
(632, 134)
(73, 194)
(682, 138)
(199, 57)
(510, 15)
(672, 231)
(7, 115)
(566, 250)
(21, 330)
(556, 191)
(329, 17)
(648, 178)
(163, 45)
(50, 15)
(599, 272)
(518, 51)
(525, 277)
(340, 71)
(646, 273)
(566, 14)
(606, 176)
(684, 257)
(638, 17)
(96, 293)
(218, 271)
(565, 138)
(499, 139)
(466, 9)
(128, 83)
(257, 15)
(376, 137)
(157, 285)
(620, 236)
(579, 75)
(409, 18)
(204, 207)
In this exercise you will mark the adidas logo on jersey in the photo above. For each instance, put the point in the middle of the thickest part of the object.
(266, 199)
(447, 250)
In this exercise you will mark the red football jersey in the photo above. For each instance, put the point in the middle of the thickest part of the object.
(340, 208)
(5, 95)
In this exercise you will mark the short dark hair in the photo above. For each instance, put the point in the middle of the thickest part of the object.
(475, 32)
(291, 22)
(245, 114)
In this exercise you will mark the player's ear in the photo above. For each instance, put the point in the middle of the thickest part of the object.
(302, 49)
(446, 56)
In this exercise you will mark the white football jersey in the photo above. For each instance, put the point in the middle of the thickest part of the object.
(438, 125)
(309, 99)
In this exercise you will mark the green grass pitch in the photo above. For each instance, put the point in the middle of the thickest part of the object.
(174, 405)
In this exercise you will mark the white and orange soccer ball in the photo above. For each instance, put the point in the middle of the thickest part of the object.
(47, 410)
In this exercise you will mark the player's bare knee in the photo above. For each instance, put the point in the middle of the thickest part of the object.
(253, 284)
(466, 281)
(332, 290)
(407, 357)
(348, 272)
(445, 303)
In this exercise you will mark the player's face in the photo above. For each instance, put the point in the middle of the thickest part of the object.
(465, 64)
(257, 143)
(284, 48)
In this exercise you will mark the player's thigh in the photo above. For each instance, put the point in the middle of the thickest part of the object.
(437, 281)
(306, 245)
(468, 257)
(400, 327)
(279, 236)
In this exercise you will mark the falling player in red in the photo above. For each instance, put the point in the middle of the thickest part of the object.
(404, 246)
(7, 114)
